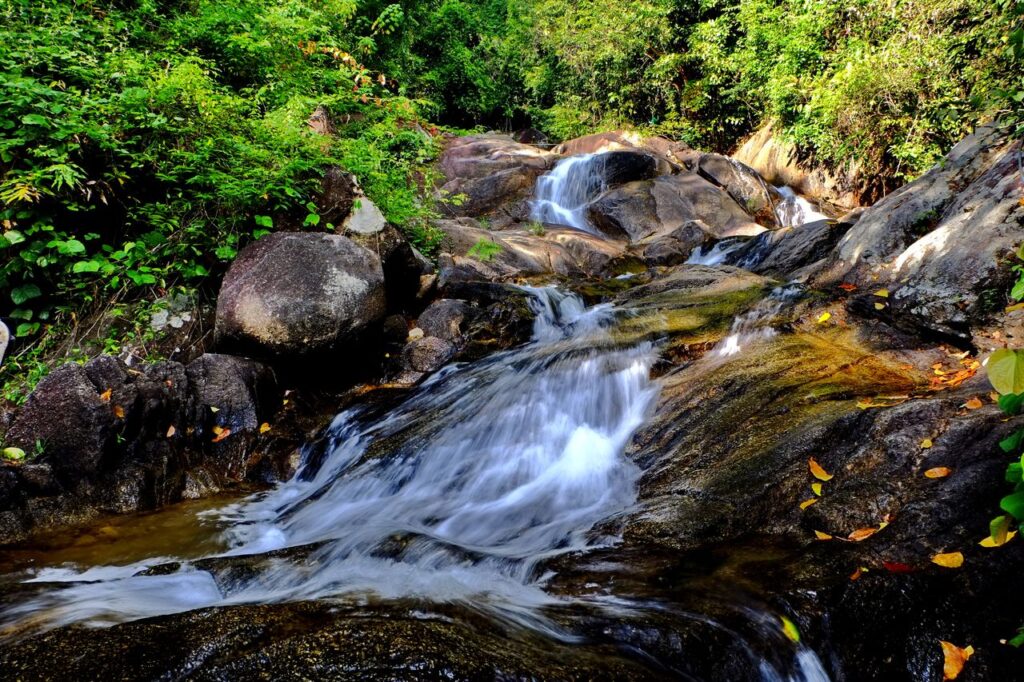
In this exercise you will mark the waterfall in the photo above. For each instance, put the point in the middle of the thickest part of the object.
(716, 254)
(563, 195)
(756, 324)
(490, 469)
(794, 210)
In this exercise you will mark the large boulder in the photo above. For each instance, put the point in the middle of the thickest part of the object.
(784, 253)
(638, 210)
(483, 173)
(445, 319)
(943, 244)
(671, 154)
(744, 184)
(294, 294)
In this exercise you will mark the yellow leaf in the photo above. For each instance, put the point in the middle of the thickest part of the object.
(973, 404)
(825, 317)
(994, 542)
(822, 536)
(817, 471)
(882, 293)
(807, 503)
(938, 472)
(1014, 308)
(213, 409)
(926, 444)
(105, 396)
(816, 487)
(264, 427)
(118, 411)
(954, 659)
(950, 560)
(862, 534)
(221, 435)
(217, 430)
(171, 431)
(879, 306)
(789, 629)
(858, 573)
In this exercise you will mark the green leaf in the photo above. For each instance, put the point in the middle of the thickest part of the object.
(225, 252)
(34, 120)
(1012, 443)
(14, 454)
(1013, 505)
(71, 247)
(85, 266)
(26, 329)
(998, 529)
(1006, 371)
(789, 629)
(1011, 403)
(25, 293)
(14, 237)
(264, 221)
(1014, 473)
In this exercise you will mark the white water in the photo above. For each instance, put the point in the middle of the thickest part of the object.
(716, 254)
(490, 468)
(756, 324)
(794, 210)
(562, 196)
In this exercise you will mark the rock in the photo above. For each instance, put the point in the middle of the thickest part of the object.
(675, 247)
(639, 210)
(483, 173)
(943, 244)
(402, 268)
(744, 184)
(519, 253)
(784, 252)
(620, 167)
(444, 319)
(70, 421)
(5, 338)
(338, 193)
(428, 354)
(669, 155)
(293, 294)
(779, 163)
(365, 219)
(530, 136)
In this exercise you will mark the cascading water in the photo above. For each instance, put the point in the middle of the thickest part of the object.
(490, 469)
(755, 324)
(563, 194)
(794, 210)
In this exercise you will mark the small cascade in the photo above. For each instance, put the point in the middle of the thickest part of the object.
(717, 254)
(794, 210)
(563, 194)
(756, 324)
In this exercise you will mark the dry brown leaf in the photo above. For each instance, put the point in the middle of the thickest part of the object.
(862, 534)
(118, 411)
(949, 560)
(974, 404)
(171, 431)
(105, 396)
(817, 471)
(846, 286)
(264, 427)
(858, 573)
(954, 659)
(938, 472)
(221, 434)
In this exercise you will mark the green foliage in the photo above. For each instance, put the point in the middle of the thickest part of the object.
(484, 250)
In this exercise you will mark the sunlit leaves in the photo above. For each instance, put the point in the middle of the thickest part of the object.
(817, 471)
(1006, 371)
(949, 560)
(938, 472)
(789, 629)
(954, 659)
(13, 454)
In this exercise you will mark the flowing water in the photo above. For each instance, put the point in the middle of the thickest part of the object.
(562, 196)
(794, 210)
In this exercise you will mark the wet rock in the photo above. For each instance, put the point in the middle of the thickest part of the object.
(294, 294)
(444, 319)
(428, 354)
(786, 251)
(486, 172)
(599, 142)
(69, 420)
(638, 210)
(744, 184)
(620, 167)
(675, 247)
(401, 265)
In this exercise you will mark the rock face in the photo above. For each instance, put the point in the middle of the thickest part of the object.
(638, 210)
(108, 438)
(487, 172)
(745, 185)
(444, 319)
(779, 163)
(673, 155)
(294, 294)
(944, 243)
(786, 252)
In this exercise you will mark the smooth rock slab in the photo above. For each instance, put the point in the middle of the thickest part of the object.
(292, 294)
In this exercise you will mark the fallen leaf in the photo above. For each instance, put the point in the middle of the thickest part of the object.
(882, 293)
(213, 409)
(864, 533)
(171, 431)
(897, 567)
(938, 472)
(998, 531)
(807, 503)
(105, 396)
(949, 560)
(879, 306)
(816, 488)
(221, 434)
(817, 471)
(264, 427)
(118, 411)
(822, 536)
(991, 542)
(926, 443)
(1014, 308)
(858, 573)
(789, 629)
(954, 659)
(825, 317)
(974, 404)
(846, 286)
